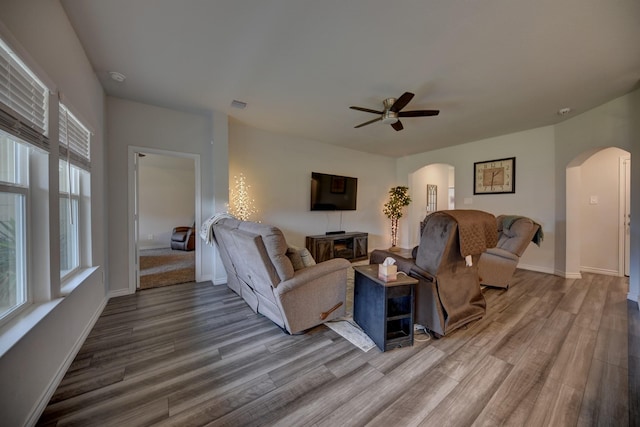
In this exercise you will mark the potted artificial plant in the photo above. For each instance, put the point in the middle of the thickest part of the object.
(398, 199)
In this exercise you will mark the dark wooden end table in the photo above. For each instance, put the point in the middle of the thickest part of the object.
(384, 310)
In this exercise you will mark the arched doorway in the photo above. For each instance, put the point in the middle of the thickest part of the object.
(597, 208)
(439, 177)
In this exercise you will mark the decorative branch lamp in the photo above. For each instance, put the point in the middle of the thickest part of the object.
(241, 204)
(398, 199)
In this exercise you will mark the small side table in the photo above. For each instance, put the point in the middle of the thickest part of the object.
(384, 310)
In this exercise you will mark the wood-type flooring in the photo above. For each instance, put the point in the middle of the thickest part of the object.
(549, 352)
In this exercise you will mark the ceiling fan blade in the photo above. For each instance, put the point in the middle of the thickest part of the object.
(401, 102)
(369, 122)
(418, 113)
(366, 110)
(397, 125)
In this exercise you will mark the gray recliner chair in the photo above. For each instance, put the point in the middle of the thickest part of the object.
(497, 265)
(448, 293)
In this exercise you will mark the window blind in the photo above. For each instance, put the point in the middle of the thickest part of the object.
(23, 100)
(74, 139)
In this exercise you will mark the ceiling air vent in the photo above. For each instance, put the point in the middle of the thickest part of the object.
(238, 104)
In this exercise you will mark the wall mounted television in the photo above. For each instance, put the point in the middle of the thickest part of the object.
(333, 192)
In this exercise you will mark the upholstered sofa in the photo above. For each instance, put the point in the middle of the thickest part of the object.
(448, 293)
(497, 265)
(258, 269)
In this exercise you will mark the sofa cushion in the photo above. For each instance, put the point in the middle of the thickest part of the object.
(275, 244)
(294, 256)
(253, 265)
(307, 258)
(300, 258)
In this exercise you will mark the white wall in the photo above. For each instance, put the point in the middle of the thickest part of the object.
(32, 368)
(634, 140)
(166, 198)
(535, 183)
(278, 169)
(600, 212)
(614, 124)
(548, 176)
(132, 124)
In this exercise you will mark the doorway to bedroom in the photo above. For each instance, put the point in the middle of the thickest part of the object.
(165, 206)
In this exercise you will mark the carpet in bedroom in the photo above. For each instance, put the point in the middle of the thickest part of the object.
(164, 267)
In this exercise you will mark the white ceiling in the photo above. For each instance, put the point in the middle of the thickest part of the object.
(492, 67)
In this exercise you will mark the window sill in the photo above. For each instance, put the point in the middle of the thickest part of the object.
(17, 328)
(76, 280)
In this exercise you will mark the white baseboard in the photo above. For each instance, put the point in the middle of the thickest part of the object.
(568, 275)
(156, 246)
(536, 268)
(57, 379)
(119, 293)
(205, 278)
(603, 271)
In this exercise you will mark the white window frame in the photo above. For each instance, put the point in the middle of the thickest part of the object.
(25, 116)
(71, 197)
(23, 260)
(74, 140)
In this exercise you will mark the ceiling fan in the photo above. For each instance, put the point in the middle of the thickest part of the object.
(391, 113)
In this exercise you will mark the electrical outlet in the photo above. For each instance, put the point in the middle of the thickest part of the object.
(150, 237)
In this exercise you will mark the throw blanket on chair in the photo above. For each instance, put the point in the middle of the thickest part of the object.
(206, 230)
(476, 229)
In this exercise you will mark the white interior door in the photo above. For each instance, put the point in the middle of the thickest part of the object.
(627, 214)
(136, 217)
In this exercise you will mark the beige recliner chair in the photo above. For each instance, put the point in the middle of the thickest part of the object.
(258, 268)
(497, 265)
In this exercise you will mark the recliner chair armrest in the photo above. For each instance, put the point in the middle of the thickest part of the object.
(403, 264)
(418, 273)
(502, 254)
(311, 273)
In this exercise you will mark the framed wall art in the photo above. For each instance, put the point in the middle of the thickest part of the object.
(495, 176)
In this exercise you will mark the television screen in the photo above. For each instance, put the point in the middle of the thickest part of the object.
(333, 192)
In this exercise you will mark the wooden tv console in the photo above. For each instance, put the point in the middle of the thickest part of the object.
(352, 246)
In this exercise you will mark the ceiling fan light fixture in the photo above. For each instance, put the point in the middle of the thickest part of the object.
(393, 111)
(389, 117)
(116, 76)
